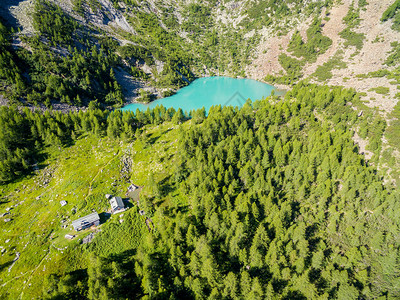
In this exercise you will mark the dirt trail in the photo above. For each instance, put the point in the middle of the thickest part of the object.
(33, 272)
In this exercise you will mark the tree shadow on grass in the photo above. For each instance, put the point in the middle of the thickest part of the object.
(128, 203)
(295, 295)
(166, 187)
(154, 139)
(104, 216)
(5, 265)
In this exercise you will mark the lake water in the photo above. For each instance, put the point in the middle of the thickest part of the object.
(209, 91)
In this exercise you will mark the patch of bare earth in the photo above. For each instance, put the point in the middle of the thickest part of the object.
(378, 37)
(362, 145)
(331, 29)
(268, 51)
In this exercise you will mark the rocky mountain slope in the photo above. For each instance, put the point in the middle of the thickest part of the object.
(235, 38)
(371, 57)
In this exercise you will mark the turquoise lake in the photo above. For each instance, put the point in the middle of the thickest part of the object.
(209, 91)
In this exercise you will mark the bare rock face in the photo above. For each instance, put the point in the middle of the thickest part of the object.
(16, 14)
(105, 14)
(130, 86)
(115, 16)
(5, 13)
(3, 101)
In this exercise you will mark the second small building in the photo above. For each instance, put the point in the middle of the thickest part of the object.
(117, 205)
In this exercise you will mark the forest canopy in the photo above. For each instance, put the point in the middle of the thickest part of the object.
(272, 200)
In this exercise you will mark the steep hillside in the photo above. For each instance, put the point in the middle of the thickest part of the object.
(151, 48)
(350, 58)
(159, 49)
(124, 51)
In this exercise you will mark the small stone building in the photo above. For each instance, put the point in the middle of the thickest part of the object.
(117, 205)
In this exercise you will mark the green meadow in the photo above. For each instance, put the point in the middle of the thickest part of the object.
(82, 175)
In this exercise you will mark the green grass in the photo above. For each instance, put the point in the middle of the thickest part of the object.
(394, 55)
(117, 237)
(81, 174)
(382, 90)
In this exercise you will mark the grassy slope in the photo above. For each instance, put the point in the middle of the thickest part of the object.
(35, 231)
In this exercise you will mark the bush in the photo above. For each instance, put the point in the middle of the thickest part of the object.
(391, 11)
(292, 66)
(394, 55)
(352, 20)
(145, 96)
(352, 38)
(380, 90)
(324, 72)
(316, 43)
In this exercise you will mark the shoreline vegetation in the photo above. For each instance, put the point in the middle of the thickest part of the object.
(222, 86)
(281, 89)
